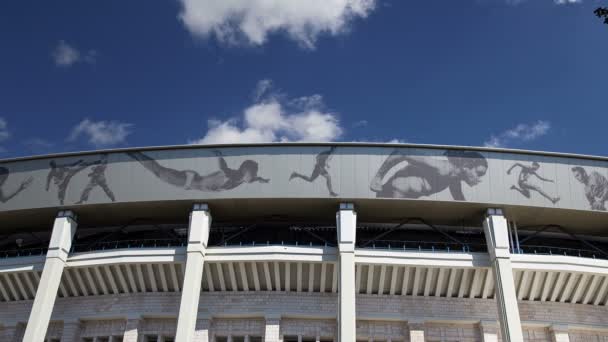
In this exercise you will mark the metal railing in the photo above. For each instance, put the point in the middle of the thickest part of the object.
(25, 252)
(128, 244)
(552, 250)
(427, 246)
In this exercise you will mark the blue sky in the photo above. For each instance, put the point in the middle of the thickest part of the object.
(77, 75)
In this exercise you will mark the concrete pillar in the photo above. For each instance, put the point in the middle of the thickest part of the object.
(489, 331)
(201, 334)
(56, 257)
(497, 239)
(198, 235)
(272, 331)
(346, 222)
(416, 329)
(71, 331)
(8, 333)
(559, 333)
(131, 330)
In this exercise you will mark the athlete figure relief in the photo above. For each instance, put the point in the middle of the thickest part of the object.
(596, 187)
(424, 175)
(61, 175)
(4, 173)
(525, 186)
(223, 179)
(320, 169)
(97, 177)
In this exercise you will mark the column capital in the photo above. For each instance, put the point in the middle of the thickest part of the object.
(200, 207)
(559, 328)
(347, 206)
(67, 214)
(494, 212)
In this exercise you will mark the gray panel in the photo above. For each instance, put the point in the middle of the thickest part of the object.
(306, 171)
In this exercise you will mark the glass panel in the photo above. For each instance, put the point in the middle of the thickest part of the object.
(221, 339)
(238, 338)
(290, 339)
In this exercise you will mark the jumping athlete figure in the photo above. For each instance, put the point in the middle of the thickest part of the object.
(596, 187)
(424, 175)
(97, 177)
(320, 169)
(62, 174)
(525, 186)
(224, 179)
(4, 172)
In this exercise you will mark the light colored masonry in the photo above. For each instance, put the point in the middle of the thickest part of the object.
(272, 293)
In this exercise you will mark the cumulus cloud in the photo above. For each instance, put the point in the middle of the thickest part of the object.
(65, 55)
(275, 117)
(251, 21)
(101, 133)
(4, 133)
(557, 2)
(520, 133)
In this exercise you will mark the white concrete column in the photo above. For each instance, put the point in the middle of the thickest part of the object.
(201, 334)
(489, 331)
(416, 329)
(131, 330)
(198, 235)
(71, 331)
(497, 239)
(272, 331)
(346, 223)
(559, 333)
(8, 333)
(56, 257)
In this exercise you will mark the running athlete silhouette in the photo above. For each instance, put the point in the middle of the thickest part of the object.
(320, 169)
(425, 175)
(525, 186)
(4, 173)
(61, 175)
(596, 187)
(97, 177)
(224, 179)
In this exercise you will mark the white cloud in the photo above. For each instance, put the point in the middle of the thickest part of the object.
(66, 55)
(557, 2)
(4, 133)
(274, 117)
(251, 21)
(101, 133)
(520, 133)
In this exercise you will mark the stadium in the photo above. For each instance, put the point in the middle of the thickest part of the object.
(299, 242)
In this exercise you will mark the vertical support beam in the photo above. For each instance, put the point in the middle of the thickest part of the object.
(202, 330)
(416, 329)
(488, 331)
(56, 257)
(346, 222)
(559, 333)
(71, 331)
(495, 230)
(198, 235)
(272, 330)
(131, 330)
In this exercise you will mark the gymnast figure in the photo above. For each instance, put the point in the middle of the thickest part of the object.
(97, 177)
(596, 187)
(523, 180)
(424, 175)
(320, 169)
(223, 179)
(61, 175)
(4, 173)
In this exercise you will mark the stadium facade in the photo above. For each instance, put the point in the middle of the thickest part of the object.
(304, 242)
